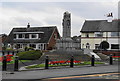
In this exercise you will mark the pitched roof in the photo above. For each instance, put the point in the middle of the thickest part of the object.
(103, 25)
(44, 38)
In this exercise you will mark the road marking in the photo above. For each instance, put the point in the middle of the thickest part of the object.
(94, 75)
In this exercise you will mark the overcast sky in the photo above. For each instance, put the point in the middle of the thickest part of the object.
(18, 14)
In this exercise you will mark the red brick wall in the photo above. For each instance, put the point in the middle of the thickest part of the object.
(109, 52)
(116, 53)
(52, 40)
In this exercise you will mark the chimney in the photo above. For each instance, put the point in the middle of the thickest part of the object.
(109, 17)
(28, 26)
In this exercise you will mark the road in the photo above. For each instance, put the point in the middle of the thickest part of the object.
(52, 73)
(113, 75)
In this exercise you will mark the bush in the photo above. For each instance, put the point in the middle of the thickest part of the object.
(9, 49)
(28, 48)
(29, 55)
(4, 48)
(104, 45)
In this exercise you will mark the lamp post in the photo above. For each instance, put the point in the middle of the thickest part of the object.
(101, 35)
(101, 41)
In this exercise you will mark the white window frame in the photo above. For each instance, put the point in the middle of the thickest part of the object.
(118, 33)
(23, 36)
(33, 34)
(98, 33)
(33, 44)
(97, 46)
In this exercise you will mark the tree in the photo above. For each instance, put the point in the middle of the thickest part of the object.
(74, 37)
(104, 45)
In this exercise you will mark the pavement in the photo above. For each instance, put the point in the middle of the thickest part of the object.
(59, 72)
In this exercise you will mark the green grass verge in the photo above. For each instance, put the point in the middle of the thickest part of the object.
(43, 65)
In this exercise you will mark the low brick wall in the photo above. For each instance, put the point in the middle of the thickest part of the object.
(108, 52)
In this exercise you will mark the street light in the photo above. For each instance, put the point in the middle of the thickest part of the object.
(101, 35)
(101, 42)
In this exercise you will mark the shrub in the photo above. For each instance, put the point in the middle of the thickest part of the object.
(4, 48)
(28, 48)
(29, 55)
(9, 49)
(104, 45)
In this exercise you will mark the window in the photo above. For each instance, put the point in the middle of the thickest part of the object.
(20, 35)
(14, 36)
(114, 46)
(82, 45)
(40, 35)
(87, 45)
(26, 35)
(87, 35)
(114, 34)
(98, 34)
(39, 46)
(44, 47)
(33, 35)
(96, 46)
(33, 45)
(19, 46)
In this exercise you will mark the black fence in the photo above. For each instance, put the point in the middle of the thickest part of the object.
(9, 52)
(70, 60)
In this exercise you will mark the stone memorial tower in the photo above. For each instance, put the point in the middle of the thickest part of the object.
(66, 25)
(66, 42)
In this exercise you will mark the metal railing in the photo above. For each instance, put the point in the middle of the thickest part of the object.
(67, 59)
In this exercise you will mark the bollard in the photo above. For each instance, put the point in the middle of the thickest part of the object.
(92, 60)
(71, 62)
(12, 52)
(8, 53)
(17, 51)
(4, 63)
(111, 60)
(16, 63)
(3, 53)
(46, 62)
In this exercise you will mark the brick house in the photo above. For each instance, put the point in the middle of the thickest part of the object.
(41, 38)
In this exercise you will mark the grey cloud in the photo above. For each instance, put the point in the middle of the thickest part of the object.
(82, 10)
(24, 21)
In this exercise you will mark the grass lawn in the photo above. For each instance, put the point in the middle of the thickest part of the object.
(43, 65)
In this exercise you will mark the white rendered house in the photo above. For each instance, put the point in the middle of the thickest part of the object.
(94, 32)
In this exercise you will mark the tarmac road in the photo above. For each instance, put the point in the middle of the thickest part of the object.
(52, 73)
(114, 75)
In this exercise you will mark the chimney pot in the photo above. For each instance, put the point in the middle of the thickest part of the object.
(109, 17)
(28, 26)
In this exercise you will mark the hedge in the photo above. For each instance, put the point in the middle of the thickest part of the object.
(29, 55)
